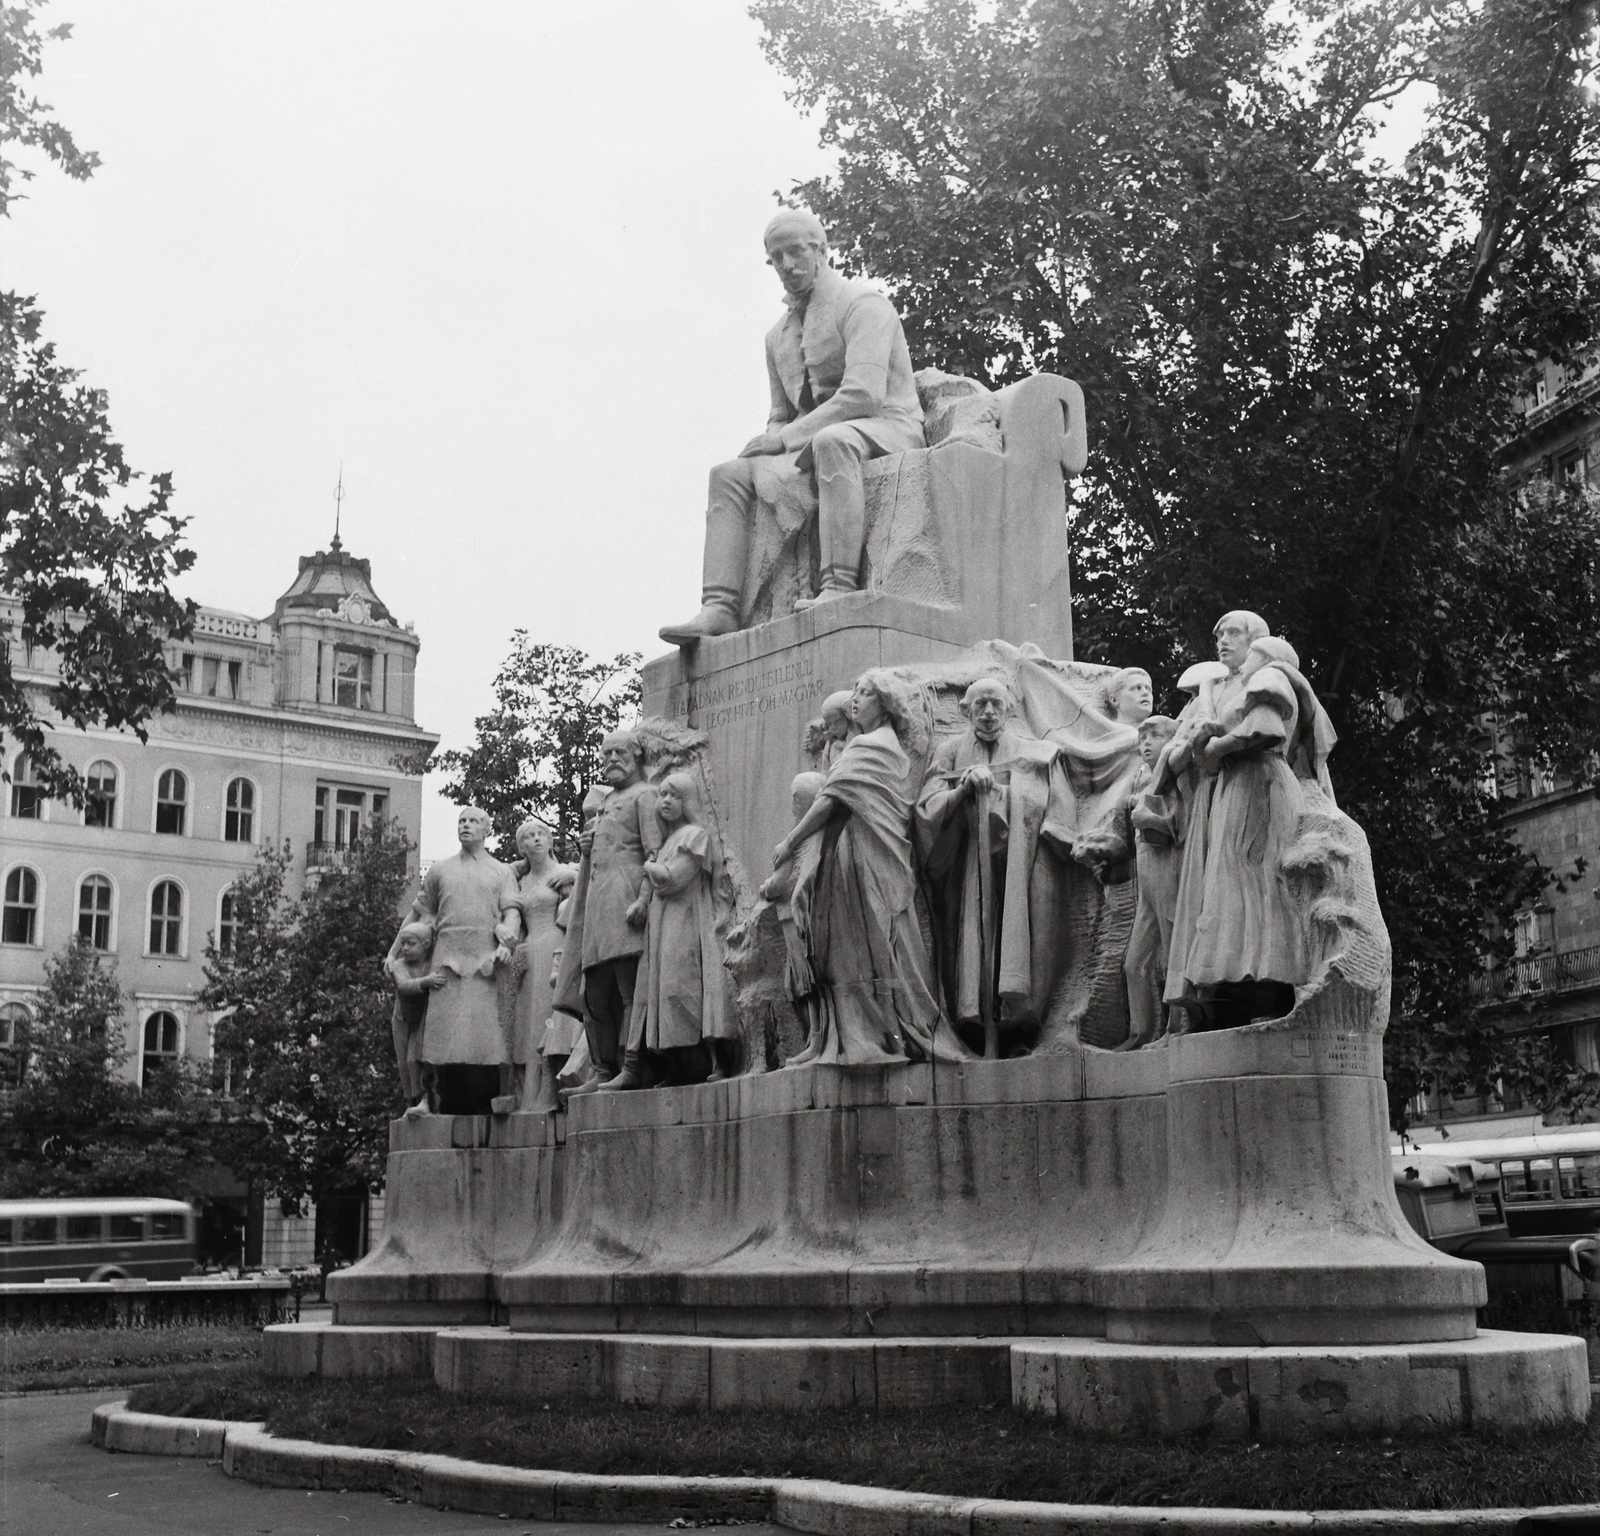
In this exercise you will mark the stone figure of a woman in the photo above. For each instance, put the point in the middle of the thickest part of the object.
(538, 1031)
(1239, 946)
(856, 902)
(682, 1016)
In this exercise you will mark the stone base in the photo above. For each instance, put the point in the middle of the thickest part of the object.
(676, 1372)
(1496, 1381)
(468, 1197)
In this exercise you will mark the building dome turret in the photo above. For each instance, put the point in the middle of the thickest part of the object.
(334, 582)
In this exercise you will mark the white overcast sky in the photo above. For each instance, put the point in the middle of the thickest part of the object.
(501, 260)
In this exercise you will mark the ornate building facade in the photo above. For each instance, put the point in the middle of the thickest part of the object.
(299, 726)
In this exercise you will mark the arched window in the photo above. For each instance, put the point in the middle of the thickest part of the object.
(100, 795)
(19, 918)
(172, 802)
(15, 1022)
(240, 823)
(160, 1042)
(166, 919)
(227, 924)
(27, 798)
(94, 911)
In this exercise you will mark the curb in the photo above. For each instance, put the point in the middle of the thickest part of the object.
(798, 1504)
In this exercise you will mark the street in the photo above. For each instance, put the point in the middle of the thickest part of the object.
(54, 1483)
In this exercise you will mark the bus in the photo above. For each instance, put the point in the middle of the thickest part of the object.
(106, 1239)
(1549, 1182)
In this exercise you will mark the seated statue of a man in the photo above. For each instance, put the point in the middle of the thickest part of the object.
(842, 393)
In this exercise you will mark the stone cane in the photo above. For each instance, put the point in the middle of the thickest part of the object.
(986, 1010)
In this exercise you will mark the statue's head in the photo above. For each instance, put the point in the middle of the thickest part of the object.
(415, 942)
(472, 826)
(836, 714)
(1155, 731)
(534, 837)
(1128, 696)
(987, 704)
(1234, 632)
(802, 791)
(621, 758)
(1269, 651)
(797, 249)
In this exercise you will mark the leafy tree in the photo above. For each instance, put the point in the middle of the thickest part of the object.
(538, 750)
(1300, 360)
(304, 1050)
(90, 578)
(78, 1125)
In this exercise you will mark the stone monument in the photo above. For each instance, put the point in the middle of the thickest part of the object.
(961, 1190)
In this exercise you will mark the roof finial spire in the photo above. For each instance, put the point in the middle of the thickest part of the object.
(338, 509)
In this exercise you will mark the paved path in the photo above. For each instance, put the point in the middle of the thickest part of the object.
(54, 1483)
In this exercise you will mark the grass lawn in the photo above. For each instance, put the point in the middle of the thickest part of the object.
(989, 1453)
(57, 1358)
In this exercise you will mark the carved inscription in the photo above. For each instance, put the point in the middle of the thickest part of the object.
(746, 693)
(1339, 1052)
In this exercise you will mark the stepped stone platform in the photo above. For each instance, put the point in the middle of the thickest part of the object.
(1201, 1236)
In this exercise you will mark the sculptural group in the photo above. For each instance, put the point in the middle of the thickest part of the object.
(996, 857)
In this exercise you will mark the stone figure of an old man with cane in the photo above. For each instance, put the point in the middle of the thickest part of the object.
(842, 393)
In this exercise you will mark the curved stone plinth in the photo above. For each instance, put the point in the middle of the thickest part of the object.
(818, 1201)
(1496, 1381)
(467, 1198)
(1280, 1223)
(677, 1372)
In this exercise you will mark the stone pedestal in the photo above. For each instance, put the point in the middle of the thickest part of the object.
(751, 693)
(468, 1197)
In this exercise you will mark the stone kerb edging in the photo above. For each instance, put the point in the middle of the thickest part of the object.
(799, 1504)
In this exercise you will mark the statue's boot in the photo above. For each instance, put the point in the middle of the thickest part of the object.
(722, 573)
(714, 618)
(631, 1075)
(838, 581)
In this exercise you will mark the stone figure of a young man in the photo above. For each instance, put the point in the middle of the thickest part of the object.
(842, 393)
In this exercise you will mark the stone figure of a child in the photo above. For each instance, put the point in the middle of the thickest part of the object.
(410, 967)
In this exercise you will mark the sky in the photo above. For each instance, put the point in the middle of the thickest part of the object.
(501, 262)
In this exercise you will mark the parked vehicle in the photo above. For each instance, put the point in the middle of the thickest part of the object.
(1549, 1183)
(96, 1239)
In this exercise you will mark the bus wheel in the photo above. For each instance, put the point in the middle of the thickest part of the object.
(110, 1272)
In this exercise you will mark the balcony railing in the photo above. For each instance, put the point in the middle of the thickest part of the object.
(326, 856)
(1534, 975)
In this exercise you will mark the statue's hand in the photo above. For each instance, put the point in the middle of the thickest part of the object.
(770, 887)
(432, 981)
(978, 780)
(780, 854)
(636, 912)
(763, 446)
(586, 839)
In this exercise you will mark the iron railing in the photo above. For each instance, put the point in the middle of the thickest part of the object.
(1535, 975)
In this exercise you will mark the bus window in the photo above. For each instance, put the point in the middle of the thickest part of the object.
(168, 1225)
(83, 1229)
(1514, 1181)
(127, 1229)
(5, 1230)
(1542, 1178)
(1580, 1176)
(38, 1229)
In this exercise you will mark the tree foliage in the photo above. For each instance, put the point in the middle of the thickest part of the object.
(538, 750)
(90, 575)
(78, 1124)
(1301, 359)
(304, 1051)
